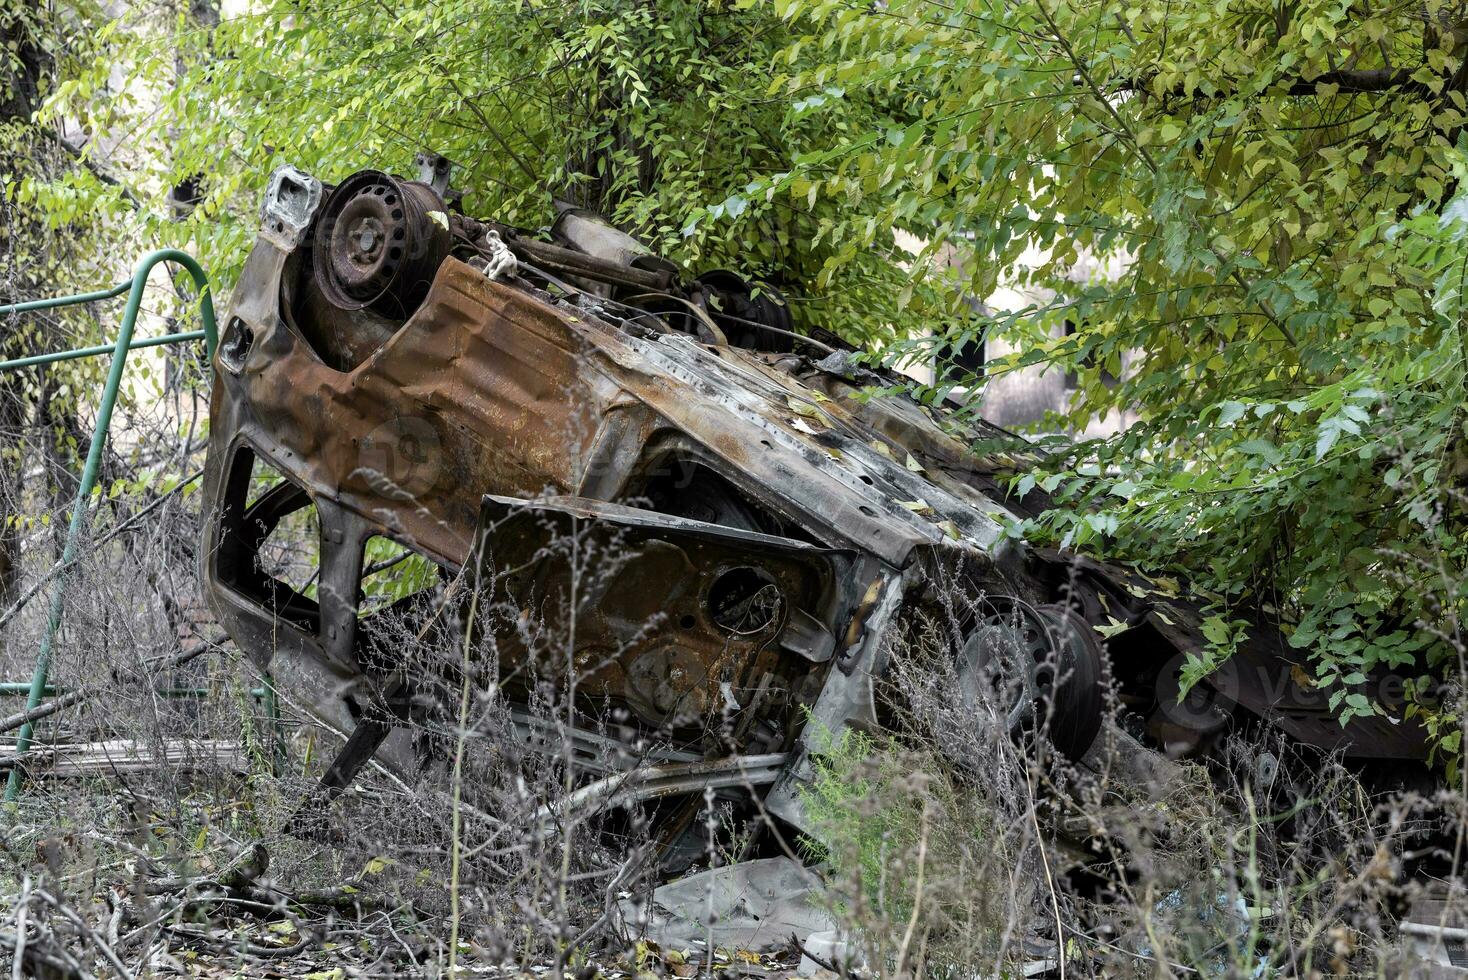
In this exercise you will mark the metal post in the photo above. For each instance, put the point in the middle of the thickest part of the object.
(272, 717)
(134, 287)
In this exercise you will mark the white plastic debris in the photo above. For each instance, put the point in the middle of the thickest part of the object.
(753, 905)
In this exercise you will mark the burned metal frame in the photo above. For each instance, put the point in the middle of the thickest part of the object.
(471, 390)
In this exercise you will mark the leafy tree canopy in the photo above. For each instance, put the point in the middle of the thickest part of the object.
(1272, 178)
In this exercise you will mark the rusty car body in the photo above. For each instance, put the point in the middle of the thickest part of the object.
(472, 391)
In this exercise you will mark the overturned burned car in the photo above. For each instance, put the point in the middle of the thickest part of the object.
(469, 393)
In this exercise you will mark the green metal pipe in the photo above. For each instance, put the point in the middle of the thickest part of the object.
(14, 688)
(142, 269)
(272, 717)
(72, 300)
(71, 355)
(120, 348)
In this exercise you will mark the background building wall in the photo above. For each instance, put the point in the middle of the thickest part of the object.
(1024, 397)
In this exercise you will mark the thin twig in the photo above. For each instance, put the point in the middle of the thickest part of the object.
(14, 721)
(87, 931)
(56, 569)
(21, 907)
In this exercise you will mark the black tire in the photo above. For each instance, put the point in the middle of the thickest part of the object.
(1040, 669)
(1071, 701)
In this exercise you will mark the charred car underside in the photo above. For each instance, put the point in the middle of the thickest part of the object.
(473, 394)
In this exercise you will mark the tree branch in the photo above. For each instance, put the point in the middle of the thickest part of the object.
(93, 168)
(1350, 81)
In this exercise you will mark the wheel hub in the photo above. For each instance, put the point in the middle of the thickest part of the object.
(378, 244)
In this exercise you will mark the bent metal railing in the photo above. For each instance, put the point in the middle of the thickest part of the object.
(119, 350)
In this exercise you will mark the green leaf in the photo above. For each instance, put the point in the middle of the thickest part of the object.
(1231, 412)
